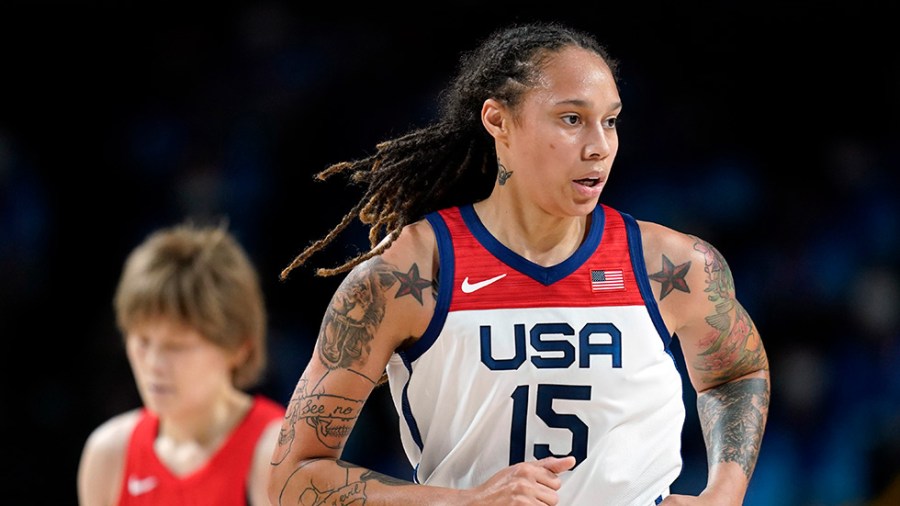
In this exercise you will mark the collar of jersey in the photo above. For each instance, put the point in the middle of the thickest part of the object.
(541, 274)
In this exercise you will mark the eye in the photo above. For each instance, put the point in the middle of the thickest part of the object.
(177, 346)
(137, 342)
(571, 119)
(610, 122)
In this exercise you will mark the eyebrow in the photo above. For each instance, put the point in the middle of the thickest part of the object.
(584, 103)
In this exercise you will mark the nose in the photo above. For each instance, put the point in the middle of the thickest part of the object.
(153, 358)
(597, 146)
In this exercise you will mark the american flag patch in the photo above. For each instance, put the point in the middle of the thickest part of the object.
(602, 280)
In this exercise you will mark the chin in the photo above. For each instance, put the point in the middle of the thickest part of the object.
(584, 208)
(157, 402)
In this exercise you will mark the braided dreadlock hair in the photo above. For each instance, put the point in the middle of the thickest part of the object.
(452, 161)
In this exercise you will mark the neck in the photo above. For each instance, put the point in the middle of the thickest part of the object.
(186, 442)
(532, 233)
(207, 424)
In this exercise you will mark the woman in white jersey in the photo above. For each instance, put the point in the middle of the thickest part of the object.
(523, 327)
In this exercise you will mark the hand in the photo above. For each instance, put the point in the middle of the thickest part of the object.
(534, 482)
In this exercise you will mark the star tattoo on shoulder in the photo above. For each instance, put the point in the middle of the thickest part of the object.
(411, 283)
(672, 277)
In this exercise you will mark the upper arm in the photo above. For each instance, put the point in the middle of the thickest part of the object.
(103, 460)
(259, 469)
(694, 286)
(381, 304)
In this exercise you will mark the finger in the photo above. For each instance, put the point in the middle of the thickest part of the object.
(548, 480)
(556, 464)
(550, 469)
(544, 492)
(547, 496)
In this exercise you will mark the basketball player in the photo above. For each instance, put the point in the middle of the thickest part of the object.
(524, 327)
(191, 310)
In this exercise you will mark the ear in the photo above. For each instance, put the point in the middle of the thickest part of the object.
(495, 118)
(241, 354)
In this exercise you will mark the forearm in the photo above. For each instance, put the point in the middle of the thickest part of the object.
(331, 481)
(733, 418)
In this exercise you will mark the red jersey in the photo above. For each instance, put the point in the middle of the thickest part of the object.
(221, 481)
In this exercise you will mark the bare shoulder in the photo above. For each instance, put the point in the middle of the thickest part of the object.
(411, 264)
(390, 297)
(659, 239)
(111, 437)
(415, 244)
(683, 269)
(662, 241)
(412, 256)
(103, 459)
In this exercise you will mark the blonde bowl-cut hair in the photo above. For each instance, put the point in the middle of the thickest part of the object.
(202, 277)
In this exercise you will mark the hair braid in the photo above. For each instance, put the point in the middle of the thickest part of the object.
(452, 161)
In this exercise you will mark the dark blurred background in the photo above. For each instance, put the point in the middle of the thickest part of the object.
(768, 128)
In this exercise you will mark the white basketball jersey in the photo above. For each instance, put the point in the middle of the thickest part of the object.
(522, 361)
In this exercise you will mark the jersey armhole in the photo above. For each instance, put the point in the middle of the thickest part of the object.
(445, 289)
(639, 266)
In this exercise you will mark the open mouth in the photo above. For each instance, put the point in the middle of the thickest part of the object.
(589, 182)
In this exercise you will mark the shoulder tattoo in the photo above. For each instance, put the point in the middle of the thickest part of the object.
(672, 277)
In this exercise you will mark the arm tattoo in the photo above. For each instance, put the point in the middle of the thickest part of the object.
(358, 308)
(350, 323)
(672, 277)
(502, 174)
(733, 418)
(733, 414)
(732, 346)
(348, 327)
(331, 416)
(353, 315)
(411, 283)
(350, 491)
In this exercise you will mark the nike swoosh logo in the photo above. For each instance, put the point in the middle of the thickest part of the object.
(138, 486)
(471, 287)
